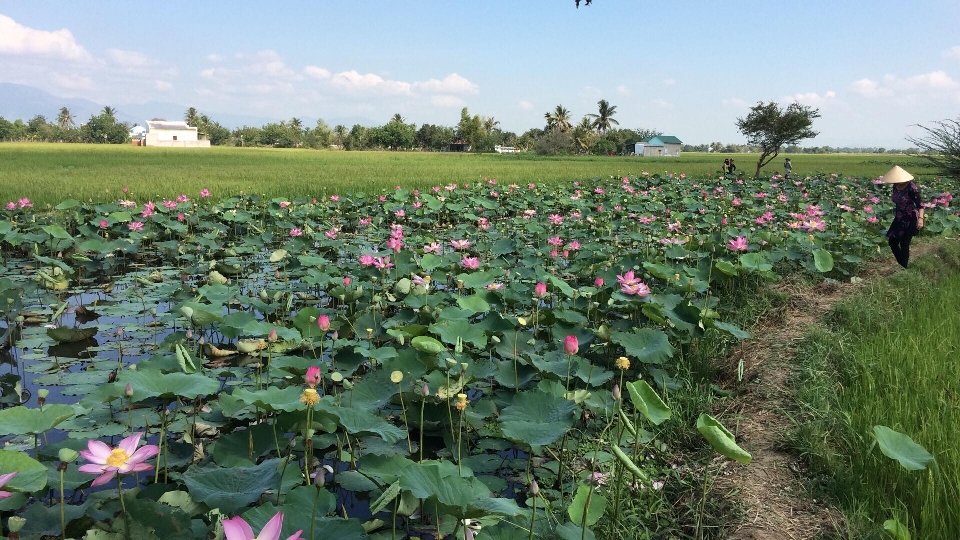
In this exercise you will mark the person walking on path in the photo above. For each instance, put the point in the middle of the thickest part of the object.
(908, 219)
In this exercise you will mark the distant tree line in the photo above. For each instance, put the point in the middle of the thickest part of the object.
(729, 148)
(103, 128)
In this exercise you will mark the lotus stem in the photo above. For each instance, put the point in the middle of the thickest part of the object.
(405, 424)
(63, 520)
(533, 515)
(123, 506)
(423, 404)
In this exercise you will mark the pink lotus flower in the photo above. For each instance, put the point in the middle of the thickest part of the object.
(382, 263)
(334, 198)
(598, 282)
(103, 224)
(313, 373)
(182, 198)
(25, 203)
(204, 192)
(555, 241)
(181, 216)
(433, 247)
(395, 244)
(169, 205)
(109, 462)
(460, 244)
(11, 205)
(637, 288)
(236, 528)
(555, 219)
(365, 221)
(540, 289)
(571, 345)
(347, 281)
(135, 226)
(573, 245)
(366, 260)
(4, 478)
(471, 263)
(738, 244)
(323, 323)
(296, 231)
(400, 213)
(332, 233)
(147, 212)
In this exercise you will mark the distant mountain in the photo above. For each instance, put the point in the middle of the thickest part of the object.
(25, 102)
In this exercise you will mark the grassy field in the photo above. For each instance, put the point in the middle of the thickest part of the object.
(49, 173)
(889, 358)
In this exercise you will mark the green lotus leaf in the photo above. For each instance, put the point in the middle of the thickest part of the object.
(272, 398)
(298, 512)
(64, 334)
(578, 508)
(537, 418)
(473, 303)
(721, 439)
(648, 402)
(26, 421)
(645, 344)
(823, 260)
(899, 446)
(31, 474)
(148, 383)
(230, 489)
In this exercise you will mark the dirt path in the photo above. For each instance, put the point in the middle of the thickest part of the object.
(777, 507)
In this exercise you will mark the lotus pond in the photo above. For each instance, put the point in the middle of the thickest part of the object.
(469, 360)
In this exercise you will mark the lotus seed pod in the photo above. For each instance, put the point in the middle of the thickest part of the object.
(68, 455)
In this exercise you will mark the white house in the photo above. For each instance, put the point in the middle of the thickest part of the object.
(173, 134)
(661, 145)
(137, 131)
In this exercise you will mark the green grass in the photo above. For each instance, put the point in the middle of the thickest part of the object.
(50, 173)
(888, 358)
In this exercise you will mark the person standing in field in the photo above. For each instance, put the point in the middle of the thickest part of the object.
(733, 167)
(726, 165)
(908, 219)
(787, 168)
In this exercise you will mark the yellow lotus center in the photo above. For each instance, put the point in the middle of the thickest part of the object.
(310, 397)
(118, 457)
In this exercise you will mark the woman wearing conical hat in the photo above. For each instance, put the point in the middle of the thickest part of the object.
(909, 213)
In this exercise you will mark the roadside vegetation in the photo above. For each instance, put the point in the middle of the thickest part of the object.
(887, 357)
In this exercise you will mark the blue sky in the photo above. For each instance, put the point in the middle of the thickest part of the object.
(873, 68)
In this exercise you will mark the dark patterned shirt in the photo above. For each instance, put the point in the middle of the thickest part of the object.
(907, 203)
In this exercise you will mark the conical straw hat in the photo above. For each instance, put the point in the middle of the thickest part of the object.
(896, 175)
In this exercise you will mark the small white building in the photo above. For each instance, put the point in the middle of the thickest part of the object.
(175, 134)
(137, 132)
(660, 145)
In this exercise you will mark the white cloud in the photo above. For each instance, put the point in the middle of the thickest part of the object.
(447, 101)
(128, 59)
(623, 90)
(451, 84)
(526, 105)
(734, 102)
(669, 82)
(924, 85)
(18, 39)
(952, 52)
(352, 80)
(316, 72)
(812, 99)
(661, 103)
(214, 58)
(163, 86)
(71, 81)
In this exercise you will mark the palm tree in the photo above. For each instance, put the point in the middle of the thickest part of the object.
(109, 111)
(340, 132)
(490, 124)
(65, 119)
(398, 119)
(604, 117)
(191, 117)
(559, 118)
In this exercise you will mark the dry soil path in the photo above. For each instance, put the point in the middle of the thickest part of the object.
(776, 504)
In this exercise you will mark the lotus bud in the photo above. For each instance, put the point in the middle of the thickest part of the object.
(571, 345)
(347, 385)
(272, 337)
(264, 296)
(534, 488)
(425, 390)
(313, 376)
(323, 323)
(128, 391)
(616, 392)
(15, 523)
(320, 478)
(201, 340)
(189, 333)
(347, 281)
(598, 282)
(540, 289)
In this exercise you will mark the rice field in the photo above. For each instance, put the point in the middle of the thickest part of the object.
(50, 173)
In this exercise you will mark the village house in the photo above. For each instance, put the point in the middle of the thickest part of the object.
(175, 134)
(661, 145)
